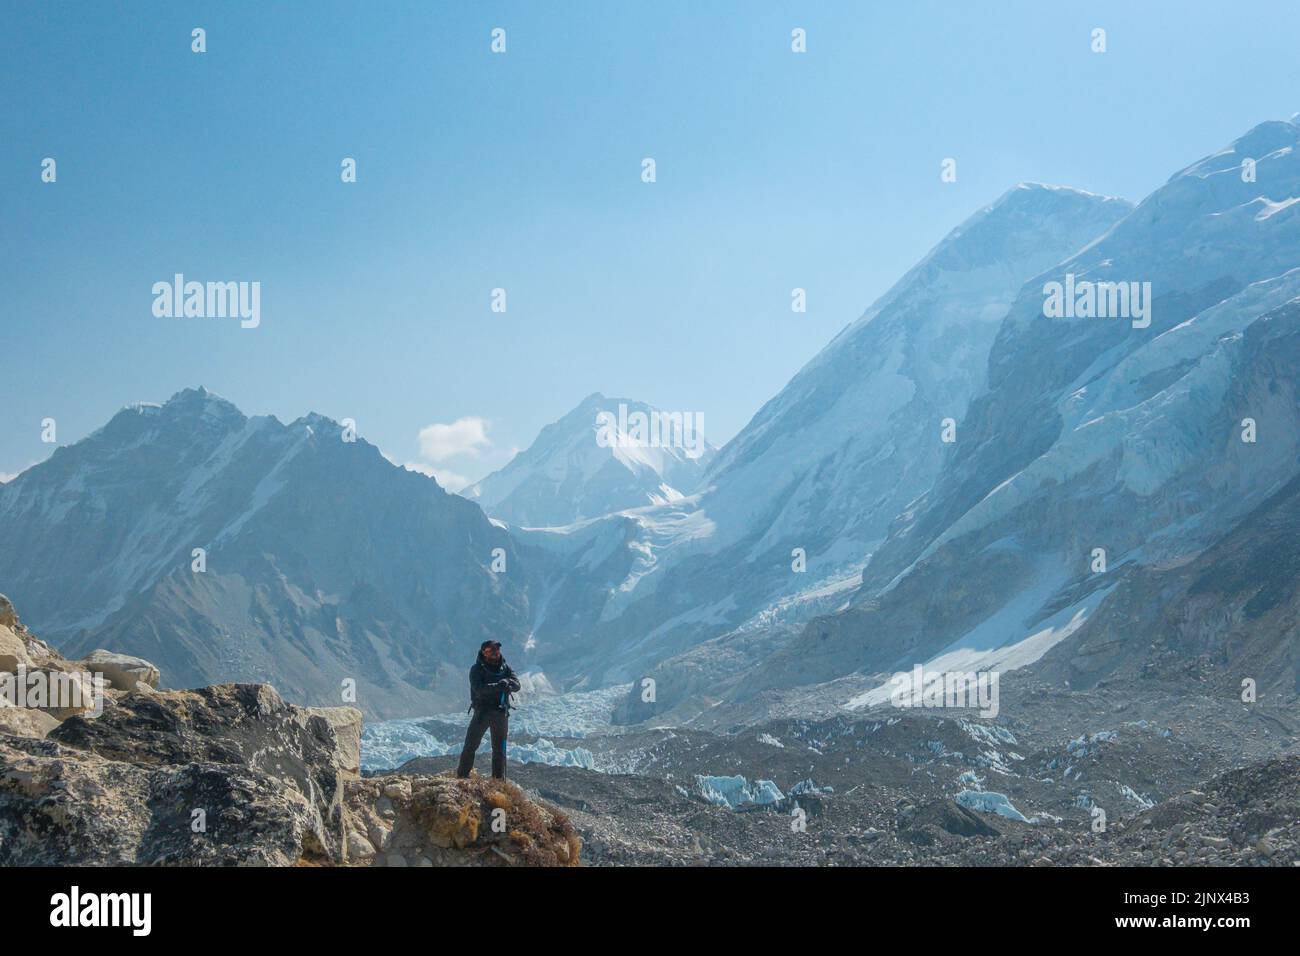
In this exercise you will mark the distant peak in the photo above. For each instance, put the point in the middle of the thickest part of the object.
(596, 401)
(1034, 202)
(1267, 137)
(197, 403)
(196, 396)
(1049, 194)
(1072, 190)
(317, 422)
(1271, 136)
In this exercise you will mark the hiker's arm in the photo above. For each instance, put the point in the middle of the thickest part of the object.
(511, 680)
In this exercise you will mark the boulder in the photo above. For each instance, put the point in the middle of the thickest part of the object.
(359, 848)
(121, 671)
(13, 651)
(59, 692)
(25, 721)
(445, 821)
(347, 723)
(920, 824)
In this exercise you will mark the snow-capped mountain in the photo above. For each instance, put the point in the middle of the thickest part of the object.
(856, 434)
(848, 443)
(959, 476)
(322, 562)
(1101, 445)
(593, 462)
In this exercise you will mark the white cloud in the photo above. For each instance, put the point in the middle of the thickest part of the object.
(465, 439)
(464, 436)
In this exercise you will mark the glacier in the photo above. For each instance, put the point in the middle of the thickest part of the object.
(736, 792)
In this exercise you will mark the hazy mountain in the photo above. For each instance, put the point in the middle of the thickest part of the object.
(324, 562)
(1097, 434)
(848, 443)
(572, 471)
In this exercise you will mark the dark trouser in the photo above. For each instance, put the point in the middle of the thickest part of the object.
(485, 718)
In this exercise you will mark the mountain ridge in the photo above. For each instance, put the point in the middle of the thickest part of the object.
(322, 562)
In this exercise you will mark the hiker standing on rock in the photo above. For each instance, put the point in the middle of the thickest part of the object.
(491, 682)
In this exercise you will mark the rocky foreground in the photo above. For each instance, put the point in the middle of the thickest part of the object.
(231, 775)
(234, 775)
(1244, 817)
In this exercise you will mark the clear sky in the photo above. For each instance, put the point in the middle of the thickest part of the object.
(522, 170)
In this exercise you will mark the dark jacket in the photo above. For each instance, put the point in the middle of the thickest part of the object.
(491, 686)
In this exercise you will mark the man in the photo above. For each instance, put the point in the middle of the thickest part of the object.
(491, 682)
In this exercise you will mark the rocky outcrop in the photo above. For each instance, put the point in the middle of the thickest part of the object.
(18, 646)
(927, 824)
(63, 806)
(221, 775)
(13, 651)
(347, 724)
(25, 660)
(401, 820)
(122, 671)
(246, 727)
(232, 775)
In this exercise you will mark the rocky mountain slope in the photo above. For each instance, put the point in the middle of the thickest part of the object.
(323, 562)
(1229, 615)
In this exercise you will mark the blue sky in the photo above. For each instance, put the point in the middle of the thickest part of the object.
(522, 171)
